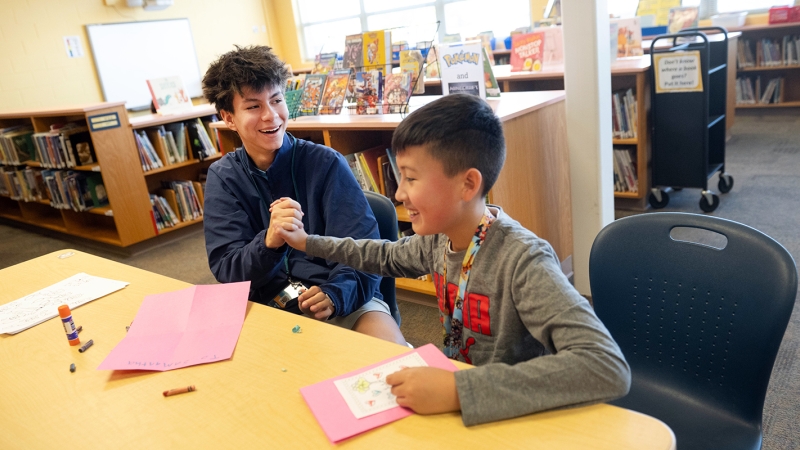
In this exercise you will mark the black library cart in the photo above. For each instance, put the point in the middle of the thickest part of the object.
(688, 115)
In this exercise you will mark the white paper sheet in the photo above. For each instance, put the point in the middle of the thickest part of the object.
(367, 393)
(42, 305)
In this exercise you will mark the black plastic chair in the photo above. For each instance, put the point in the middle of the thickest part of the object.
(699, 326)
(386, 215)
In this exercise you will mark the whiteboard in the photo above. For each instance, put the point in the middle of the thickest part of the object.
(129, 53)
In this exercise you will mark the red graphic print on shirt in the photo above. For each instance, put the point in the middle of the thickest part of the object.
(475, 308)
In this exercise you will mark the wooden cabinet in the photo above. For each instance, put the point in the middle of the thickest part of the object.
(533, 187)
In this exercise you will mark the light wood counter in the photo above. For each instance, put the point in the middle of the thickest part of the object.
(244, 402)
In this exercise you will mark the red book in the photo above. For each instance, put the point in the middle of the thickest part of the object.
(526, 52)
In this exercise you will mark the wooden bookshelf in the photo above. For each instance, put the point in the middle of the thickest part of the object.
(790, 95)
(533, 187)
(127, 219)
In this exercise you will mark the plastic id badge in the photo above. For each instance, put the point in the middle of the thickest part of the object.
(287, 298)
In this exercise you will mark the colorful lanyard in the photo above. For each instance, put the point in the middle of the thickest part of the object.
(454, 326)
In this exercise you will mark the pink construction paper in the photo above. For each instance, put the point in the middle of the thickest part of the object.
(335, 417)
(196, 325)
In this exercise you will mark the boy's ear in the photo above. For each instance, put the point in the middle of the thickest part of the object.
(473, 183)
(227, 117)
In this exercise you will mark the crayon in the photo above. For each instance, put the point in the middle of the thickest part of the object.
(80, 328)
(72, 367)
(179, 390)
(86, 346)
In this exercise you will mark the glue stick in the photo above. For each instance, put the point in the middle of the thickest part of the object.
(69, 325)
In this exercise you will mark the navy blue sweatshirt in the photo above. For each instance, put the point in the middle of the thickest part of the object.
(237, 198)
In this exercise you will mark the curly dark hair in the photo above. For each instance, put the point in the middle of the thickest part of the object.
(254, 67)
(459, 130)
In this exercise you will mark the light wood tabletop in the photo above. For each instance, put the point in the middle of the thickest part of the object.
(248, 401)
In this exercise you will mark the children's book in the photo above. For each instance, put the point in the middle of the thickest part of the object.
(169, 95)
(397, 90)
(432, 62)
(680, 18)
(312, 94)
(377, 48)
(492, 88)
(324, 63)
(353, 52)
(369, 92)
(462, 69)
(486, 42)
(335, 90)
(527, 52)
(553, 47)
(411, 62)
(629, 37)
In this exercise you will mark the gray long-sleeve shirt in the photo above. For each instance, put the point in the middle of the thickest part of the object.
(537, 343)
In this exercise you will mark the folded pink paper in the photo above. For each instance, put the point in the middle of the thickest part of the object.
(335, 417)
(196, 325)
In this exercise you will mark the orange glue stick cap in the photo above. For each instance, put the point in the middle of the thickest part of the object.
(69, 325)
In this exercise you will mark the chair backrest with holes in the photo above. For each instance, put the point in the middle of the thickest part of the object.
(693, 319)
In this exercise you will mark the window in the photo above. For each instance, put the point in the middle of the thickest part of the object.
(324, 23)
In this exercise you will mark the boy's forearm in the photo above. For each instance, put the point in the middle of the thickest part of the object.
(385, 258)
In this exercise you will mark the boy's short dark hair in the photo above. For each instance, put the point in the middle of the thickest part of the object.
(254, 67)
(459, 130)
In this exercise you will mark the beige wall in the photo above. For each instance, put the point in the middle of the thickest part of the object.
(35, 71)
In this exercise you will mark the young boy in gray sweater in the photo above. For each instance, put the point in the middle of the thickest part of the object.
(504, 303)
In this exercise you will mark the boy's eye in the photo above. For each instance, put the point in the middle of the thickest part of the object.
(278, 100)
(252, 107)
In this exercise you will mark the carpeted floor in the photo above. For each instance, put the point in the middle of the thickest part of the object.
(763, 156)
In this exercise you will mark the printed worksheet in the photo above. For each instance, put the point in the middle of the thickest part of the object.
(367, 393)
(42, 305)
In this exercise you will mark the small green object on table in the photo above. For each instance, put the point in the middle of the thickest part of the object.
(297, 329)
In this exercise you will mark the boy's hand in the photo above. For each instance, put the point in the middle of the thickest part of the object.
(313, 302)
(285, 213)
(288, 232)
(426, 390)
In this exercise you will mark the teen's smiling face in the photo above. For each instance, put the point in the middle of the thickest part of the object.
(431, 197)
(260, 119)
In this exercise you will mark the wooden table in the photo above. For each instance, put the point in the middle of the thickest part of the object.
(533, 187)
(245, 402)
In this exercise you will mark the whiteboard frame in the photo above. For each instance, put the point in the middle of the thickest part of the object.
(144, 63)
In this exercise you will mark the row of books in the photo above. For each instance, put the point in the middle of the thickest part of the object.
(624, 114)
(64, 189)
(749, 91)
(769, 52)
(625, 179)
(16, 145)
(372, 92)
(175, 143)
(374, 171)
(184, 197)
(64, 146)
(163, 213)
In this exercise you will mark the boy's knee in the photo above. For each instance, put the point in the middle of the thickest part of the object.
(380, 325)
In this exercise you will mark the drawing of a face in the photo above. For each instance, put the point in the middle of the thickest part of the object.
(372, 51)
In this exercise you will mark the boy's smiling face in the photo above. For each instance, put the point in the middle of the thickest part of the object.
(431, 197)
(260, 119)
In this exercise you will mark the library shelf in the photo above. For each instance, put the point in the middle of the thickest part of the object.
(179, 165)
(533, 187)
(181, 225)
(402, 213)
(790, 90)
(628, 141)
(102, 210)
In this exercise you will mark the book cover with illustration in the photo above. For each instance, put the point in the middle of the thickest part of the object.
(411, 61)
(168, 95)
(461, 67)
(377, 50)
(353, 52)
(312, 94)
(324, 63)
(396, 92)
(492, 88)
(680, 18)
(335, 90)
(629, 37)
(369, 92)
(527, 52)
